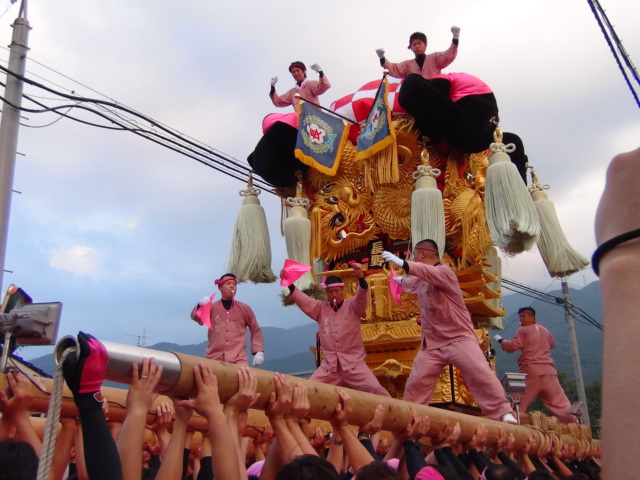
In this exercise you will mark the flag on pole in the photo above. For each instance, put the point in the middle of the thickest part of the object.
(378, 133)
(321, 139)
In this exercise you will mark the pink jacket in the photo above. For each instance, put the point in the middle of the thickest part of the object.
(445, 318)
(340, 334)
(228, 333)
(309, 90)
(433, 64)
(536, 344)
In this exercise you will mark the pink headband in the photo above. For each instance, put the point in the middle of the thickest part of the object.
(425, 248)
(325, 286)
(224, 280)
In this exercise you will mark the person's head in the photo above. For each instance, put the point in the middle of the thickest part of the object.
(18, 460)
(497, 471)
(228, 286)
(527, 316)
(255, 469)
(308, 467)
(429, 473)
(378, 470)
(298, 71)
(426, 251)
(540, 475)
(334, 288)
(418, 43)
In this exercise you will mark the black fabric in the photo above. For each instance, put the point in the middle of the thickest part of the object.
(414, 459)
(206, 469)
(464, 124)
(447, 458)
(100, 452)
(509, 462)
(478, 460)
(273, 158)
(369, 446)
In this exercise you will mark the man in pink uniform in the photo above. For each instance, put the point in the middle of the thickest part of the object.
(229, 320)
(426, 65)
(535, 343)
(447, 334)
(308, 89)
(339, 327)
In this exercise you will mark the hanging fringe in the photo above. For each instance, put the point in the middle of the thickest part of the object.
(494, 266)
(316, 232)
(512, 218)
(560, 258)
(427, 209)
(297, 234)
(250, 256)
(382, 167)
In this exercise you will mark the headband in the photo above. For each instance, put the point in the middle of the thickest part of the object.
(426, 248)
(325, 286)
(224, 280)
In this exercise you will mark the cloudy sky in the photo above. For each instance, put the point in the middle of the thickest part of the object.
(129, 235)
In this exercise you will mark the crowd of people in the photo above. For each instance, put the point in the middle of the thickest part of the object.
(90, 447)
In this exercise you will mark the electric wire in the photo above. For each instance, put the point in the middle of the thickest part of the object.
(116, 114)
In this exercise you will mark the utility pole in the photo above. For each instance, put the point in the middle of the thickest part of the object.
(575, 354)
(10, 124)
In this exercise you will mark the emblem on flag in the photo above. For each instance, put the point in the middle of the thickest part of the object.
(321, 138)
(377, 140)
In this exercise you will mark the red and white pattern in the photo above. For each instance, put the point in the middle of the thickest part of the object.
(358, 105)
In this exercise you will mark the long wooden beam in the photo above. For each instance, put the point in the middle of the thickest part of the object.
(178, 381)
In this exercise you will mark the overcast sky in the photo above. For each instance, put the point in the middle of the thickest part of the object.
(129, 235)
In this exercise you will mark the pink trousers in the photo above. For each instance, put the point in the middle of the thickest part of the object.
(358, 377)
(467, 356)
(548, 388)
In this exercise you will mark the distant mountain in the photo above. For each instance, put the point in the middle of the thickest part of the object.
(287, 350)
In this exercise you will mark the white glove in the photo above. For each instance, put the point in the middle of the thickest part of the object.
(380, 52)
(497, 338)
(258, 359)
(204, 301)
(316, 67)
(390, 257)
(274, 80)
(398, 279)
(456, 32)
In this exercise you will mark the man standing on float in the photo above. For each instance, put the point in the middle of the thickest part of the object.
(340, 336)
(447, 334)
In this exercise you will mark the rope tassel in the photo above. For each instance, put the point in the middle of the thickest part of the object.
(560, 258)
(250, 256)
(427, 209)
(297, 235)
(513, 220)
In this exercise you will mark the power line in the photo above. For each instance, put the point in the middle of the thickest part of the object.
(551, 299)
(121, 117)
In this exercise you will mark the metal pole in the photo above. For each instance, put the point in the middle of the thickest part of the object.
(10, 123)
(577, 369)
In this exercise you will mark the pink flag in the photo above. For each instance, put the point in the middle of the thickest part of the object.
(395, 287)
(292, 271)
(204, 312)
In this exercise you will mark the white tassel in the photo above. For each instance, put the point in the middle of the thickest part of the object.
(297, 234)
(250, 256)
(494, 267)
(427, 209)
(560, 258)
(513, 221)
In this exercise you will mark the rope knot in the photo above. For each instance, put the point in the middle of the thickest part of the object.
(250, 192)
(422, 170)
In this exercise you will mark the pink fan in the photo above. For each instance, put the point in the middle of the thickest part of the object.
(395, 287)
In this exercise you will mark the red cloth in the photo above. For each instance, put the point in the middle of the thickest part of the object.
(357, 106)
(463, 85)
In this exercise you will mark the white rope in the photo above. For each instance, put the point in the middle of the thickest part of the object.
(53, 417)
